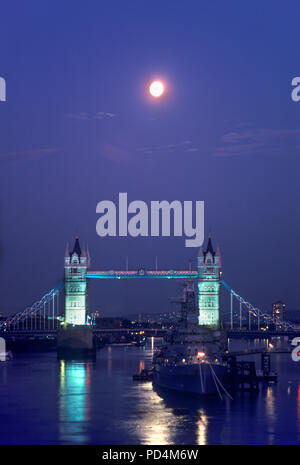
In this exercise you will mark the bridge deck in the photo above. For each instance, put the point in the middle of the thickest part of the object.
(143, 273)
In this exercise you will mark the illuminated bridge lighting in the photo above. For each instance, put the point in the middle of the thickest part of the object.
(44, 314)
(142, 273)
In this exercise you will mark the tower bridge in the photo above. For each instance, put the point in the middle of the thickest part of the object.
(49, 313)
(207, 277)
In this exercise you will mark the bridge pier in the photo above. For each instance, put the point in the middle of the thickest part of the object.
(76, 342)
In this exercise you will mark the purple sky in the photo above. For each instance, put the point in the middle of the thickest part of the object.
(78, 127)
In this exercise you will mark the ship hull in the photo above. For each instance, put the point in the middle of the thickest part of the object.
(197, 379)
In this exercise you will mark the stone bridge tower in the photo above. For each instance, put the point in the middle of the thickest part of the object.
(209, 284)
(76, 264)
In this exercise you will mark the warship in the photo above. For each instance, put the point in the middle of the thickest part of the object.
(191, 360)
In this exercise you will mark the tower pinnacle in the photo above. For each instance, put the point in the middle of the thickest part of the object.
(67, 252)
(76, 248)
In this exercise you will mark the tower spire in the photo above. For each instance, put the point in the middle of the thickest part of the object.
(209, 248)
(67, 252)
(88, 255)
(83, 251)
(76, 248)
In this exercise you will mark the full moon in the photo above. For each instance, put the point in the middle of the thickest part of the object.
(156, 89)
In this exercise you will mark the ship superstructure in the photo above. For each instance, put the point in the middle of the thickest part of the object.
(191, 361)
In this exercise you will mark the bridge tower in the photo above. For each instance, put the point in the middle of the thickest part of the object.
(76, 264)
(209, 283)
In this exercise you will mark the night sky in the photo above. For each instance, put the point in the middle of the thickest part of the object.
(78, 127)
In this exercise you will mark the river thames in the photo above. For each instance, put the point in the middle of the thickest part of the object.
(45, 401)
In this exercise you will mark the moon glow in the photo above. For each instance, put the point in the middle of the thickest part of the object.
(156, 89)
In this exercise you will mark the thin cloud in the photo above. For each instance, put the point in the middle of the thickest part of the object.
(250, 141)
(122, 154)
(185, 145)
(83, 116)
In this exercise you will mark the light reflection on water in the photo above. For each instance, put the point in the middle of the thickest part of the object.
(98, 403)
(202, 429)
(74, 401)
(270, 413)
(151, 429)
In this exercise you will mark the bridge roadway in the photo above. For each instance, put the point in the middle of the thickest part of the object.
(39, 333)
(238, 334)
(143, 273)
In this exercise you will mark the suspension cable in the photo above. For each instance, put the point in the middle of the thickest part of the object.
(256, 311)
(34, 309)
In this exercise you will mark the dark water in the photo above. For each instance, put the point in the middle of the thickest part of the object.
(43, 401)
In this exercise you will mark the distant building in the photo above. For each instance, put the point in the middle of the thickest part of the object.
(278, 311)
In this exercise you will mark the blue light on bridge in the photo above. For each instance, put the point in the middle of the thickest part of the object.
(178, 274)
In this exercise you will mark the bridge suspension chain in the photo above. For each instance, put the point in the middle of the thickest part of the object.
(33, 310)
(256, 312)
